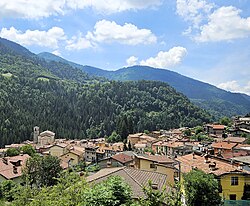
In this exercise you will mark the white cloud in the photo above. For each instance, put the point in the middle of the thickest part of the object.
(234, 86)
(131, 61)
(166, 59)
(109, 31)
(48, 38)
(57, 53)
(34, 9)
(79, 43)
(113, 6)
(31, 9)
(194, 11)
(225, 23)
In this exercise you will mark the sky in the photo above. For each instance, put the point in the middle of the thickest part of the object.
(208, 40)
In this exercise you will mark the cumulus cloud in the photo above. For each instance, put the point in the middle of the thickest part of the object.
(234, 86)
(33, 9)
(194, 11)
(48, 38)
(113, 6)
(79, 43)
(165, 59)
(225, 23)
(131, 61)
(109, 31)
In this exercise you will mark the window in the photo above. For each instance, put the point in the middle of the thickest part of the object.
(152, 166)
(232, 197)
(234, 180)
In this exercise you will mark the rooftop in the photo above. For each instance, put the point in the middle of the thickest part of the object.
(223, 145)
(123, 158)
(191, 161)
(137, 179)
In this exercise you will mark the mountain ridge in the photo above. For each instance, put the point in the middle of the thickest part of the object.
(218, 101)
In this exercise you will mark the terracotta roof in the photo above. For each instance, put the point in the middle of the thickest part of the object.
(235, 139)
(76, 152)
(6, 170)
(218, 126)
(230, 155)
(190, 161)
(156, 158)
(173, 144)
(137, 179)
(123, 158)
(223, 145)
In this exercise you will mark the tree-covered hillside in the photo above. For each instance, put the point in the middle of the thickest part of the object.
(63, 99)
(219, 102)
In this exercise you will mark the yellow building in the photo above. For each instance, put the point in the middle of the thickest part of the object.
(232, 177)
(58, 150)
(156, 163)
(73, 156)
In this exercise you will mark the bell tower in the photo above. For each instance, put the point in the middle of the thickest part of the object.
(35, 134)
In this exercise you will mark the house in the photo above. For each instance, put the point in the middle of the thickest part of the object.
(118, 160)
(11, 167)
(91, 153)
(140, 140)
(72, 157)
(215, 129)
(58, 149)
(156, 163)
(137, 179)
(231, 177)
(223, 147)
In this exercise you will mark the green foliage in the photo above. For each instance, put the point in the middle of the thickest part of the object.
(10, 152)
(114, 137)
(246, 193)
(146, 131)
(226, 121)
(7, 190)
(92, 168)
(159, 198)
(74, 105)
(42, 171)
(112, 192)
(28, 149)
(198, 130)
(201, 189)
(187, 132)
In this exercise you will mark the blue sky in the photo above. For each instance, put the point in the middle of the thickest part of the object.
(208, 40)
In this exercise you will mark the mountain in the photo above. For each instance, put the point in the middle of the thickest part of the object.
(218, 101)
(64, 99)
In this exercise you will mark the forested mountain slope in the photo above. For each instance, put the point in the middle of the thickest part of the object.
(64, 99)
(219, 102)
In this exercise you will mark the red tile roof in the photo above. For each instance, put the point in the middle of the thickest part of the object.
(6, 169)
(190, 161)
(123, 158)
(224, 145)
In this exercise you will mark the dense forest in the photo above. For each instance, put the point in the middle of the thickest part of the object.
(58, 97)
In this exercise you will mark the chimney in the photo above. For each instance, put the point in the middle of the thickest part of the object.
(206, 158)
(5, 161)
(240, 166)
(14, 169)
(212, 166)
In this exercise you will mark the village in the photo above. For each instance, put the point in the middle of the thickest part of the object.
(160, 156)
